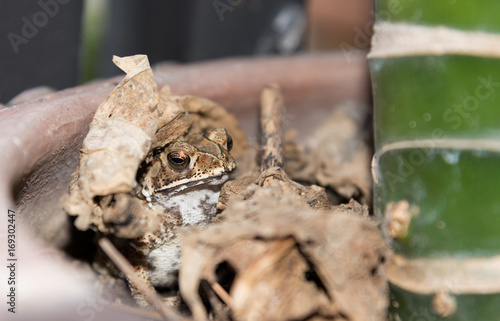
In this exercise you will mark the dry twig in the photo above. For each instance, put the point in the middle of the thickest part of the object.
(271, 123)
(121, 262)
(218, 307)
(222, 293)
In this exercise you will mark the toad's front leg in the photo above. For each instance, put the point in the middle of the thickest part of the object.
(158, 269)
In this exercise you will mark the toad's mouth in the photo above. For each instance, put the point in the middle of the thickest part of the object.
(211, 182)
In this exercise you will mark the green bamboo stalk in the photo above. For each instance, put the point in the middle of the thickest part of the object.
(435, 68)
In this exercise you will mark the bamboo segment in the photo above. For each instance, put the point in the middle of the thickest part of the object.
(456, 195)
(433, 97)
(414, 307)
(435, 68)
(458, 14)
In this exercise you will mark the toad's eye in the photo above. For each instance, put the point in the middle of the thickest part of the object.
(178, 160)
(229, 143)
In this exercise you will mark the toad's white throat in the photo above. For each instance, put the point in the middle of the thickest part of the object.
(196, 205)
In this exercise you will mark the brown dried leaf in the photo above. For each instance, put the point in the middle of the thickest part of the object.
(291, 262)
(121, 134)
(338, 154)
(315, 196)
(127, 126)
(235, 188)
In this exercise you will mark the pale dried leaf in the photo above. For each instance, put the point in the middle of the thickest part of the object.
(271, 240)
(338, 154)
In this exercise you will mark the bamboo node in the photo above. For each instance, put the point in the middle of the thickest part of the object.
(444, 304)
(399, 215)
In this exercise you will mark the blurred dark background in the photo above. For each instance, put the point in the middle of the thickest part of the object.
(61, 43)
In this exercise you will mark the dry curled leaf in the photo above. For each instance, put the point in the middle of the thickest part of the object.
(290, 262)
(315, 196)
(338, 154)
(120, 136)
(135, 119)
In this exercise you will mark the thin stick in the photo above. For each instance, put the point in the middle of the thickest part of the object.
(222, 294)
(215, 302)
(122, 263)
(271, 125)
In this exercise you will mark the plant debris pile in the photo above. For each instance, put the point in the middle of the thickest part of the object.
(287, 260)
(278, 249)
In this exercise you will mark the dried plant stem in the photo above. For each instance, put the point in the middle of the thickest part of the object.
(219, 308)
(271, 123)
(121, 262)
(222, 293)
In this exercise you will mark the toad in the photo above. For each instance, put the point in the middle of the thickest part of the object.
(184, 179)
